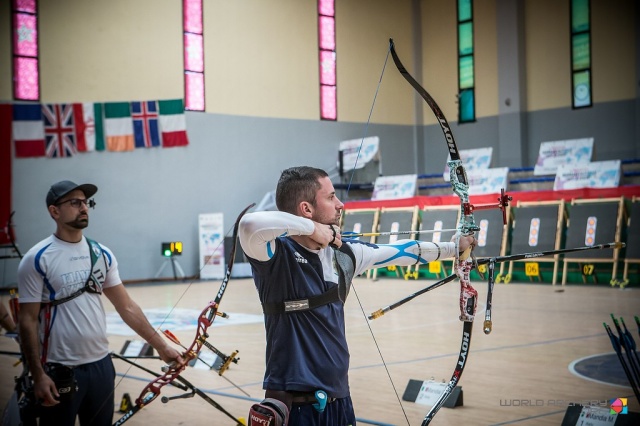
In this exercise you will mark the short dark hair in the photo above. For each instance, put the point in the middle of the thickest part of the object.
(298, 184)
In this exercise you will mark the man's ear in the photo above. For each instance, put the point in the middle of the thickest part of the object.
(53, 211)
(305, 209)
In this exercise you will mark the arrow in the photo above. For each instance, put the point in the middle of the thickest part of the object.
(381, 234)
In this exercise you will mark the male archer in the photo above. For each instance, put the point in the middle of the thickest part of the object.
(62, 321)
(302, 270)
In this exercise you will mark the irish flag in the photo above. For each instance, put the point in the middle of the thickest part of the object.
(172, 123)
(118, 126)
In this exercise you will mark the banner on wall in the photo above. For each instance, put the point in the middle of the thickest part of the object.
(354, 157)
(488, 181)
(394, 187)
(599, 174)
(570, 152)
(473, 159)
(211, 237)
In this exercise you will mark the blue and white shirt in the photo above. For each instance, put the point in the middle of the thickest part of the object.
(54, 269)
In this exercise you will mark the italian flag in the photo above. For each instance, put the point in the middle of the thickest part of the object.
(172, 123)
(118, 126)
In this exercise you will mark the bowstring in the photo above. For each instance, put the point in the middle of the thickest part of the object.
(375, 341)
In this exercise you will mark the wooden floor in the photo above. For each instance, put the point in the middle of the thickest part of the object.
(516, 375)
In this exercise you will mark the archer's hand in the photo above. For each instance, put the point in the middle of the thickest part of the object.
(171, 356)
(326, 235)
(466, 241)
(45, 391)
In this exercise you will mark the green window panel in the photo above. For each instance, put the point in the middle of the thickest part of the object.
(467, 105)
(465, 38)
(465, 10)
(582, 89)
(579, 16)
(467, 80)
(581, 52)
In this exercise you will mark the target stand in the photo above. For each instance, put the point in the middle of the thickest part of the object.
(177, 269)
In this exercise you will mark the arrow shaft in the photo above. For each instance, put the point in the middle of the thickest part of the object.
(381, 234)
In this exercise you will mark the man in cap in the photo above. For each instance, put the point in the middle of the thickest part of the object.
(62, 321)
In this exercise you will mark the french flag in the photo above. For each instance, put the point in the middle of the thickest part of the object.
(28, 130)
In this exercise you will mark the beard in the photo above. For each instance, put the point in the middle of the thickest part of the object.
(79, 223)
(328, 219)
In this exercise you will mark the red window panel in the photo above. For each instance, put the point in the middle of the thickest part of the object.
(25, 40)
(193, 52)
(192, 14)
(327, 33)
(328, 103)
(327, 68)
(28, 6)
(194, 88)
(26, 84)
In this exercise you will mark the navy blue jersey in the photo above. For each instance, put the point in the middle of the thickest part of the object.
(306, 350)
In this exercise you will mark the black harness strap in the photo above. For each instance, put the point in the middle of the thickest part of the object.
(329, 296)
(94, 280)
(344, 261)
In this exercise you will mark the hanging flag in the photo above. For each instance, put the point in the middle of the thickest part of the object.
(118, 126)
(59, 130)
(145, 124)
(172, 123)
(84, 117)
(98, 116)
(6, 116)
(28, 130)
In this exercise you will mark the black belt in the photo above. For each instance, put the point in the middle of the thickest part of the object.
(300, 398)
(295, 397)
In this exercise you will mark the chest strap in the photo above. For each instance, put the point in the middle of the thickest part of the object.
(329, 296)
(96, 278)
(344, 262)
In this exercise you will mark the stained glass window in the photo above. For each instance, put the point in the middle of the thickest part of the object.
(193, 55)
(26, 66)
(581, 53)
(327, 59)
(466, 72)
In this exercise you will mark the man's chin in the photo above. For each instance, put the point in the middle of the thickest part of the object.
(80, 224)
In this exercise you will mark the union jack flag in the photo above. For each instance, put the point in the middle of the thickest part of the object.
(59, 130)
(146, 132)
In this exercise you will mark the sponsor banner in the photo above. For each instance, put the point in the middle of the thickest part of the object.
(488, 181)
(211, 237)
(599, 174)
(562, 153)
(355, 157)
(394, 187)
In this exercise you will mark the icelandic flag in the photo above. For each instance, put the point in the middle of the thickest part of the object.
(59, 130)
(146, 131)
(28, 131)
